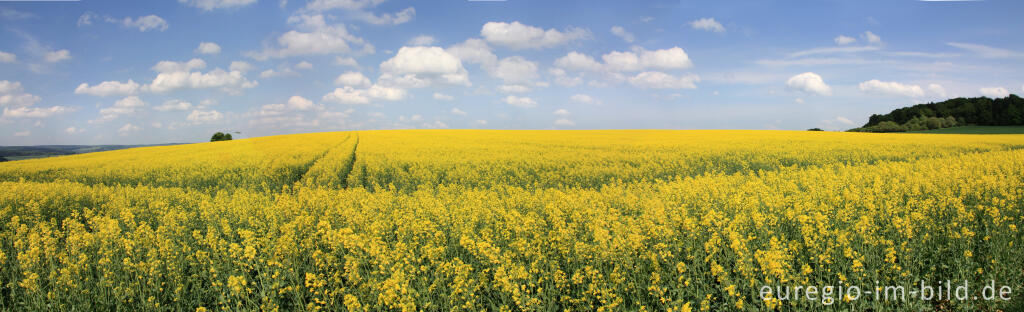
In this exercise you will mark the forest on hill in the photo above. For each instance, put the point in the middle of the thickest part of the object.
(979, 111)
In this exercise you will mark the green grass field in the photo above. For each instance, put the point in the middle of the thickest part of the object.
(977, 130)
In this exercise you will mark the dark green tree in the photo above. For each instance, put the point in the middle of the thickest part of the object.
(219, 136)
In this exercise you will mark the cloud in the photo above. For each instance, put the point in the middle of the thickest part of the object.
(422, 40)
(515, 69)
(300, 103)
(660, 80)
(832, 50)
(844, 40)
(171, 66)
(125, 106)
(986, 51)
(7, 57)
(241, 66)
(564, 122)
(582, 98)
(708, 24)
(73, 130)
(86, 19)
(314, 37)
(578, 62)
(562, 78)
(622, 33)
(640, 59)
(561, 112)
(809, 82)
(422, 66)
(937, 90)
(23, 133)
(199, 116)
(515, 88)
(57, 56)
(443, 97)
(35, 112)
(304, 65)
(456, 111)
(400, 17)
(891, 88)
(12, 14)
(208, 48)
(350, 95)
(518, 36)
(353, 79)
(474, 51)
(522, 102)
(13, 95)
(994, 92)
(179, 75)
(109, 88)
(209, 5)
(128, 128)
(174, 105)
(357, 7)
(845, 120)
(145, 23)
(871, 37)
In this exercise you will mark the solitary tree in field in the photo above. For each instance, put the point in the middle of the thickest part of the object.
(220, 136)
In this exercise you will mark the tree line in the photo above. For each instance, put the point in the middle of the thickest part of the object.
(981, 111)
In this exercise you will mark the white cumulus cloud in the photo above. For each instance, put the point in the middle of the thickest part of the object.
(844, 40)
(109, 88)
(174, 105)
(708, 24)
(313, 37)
(891, 88)
(640, 59)
(522, 102)
(809, 82)
(57, 56)
(350, 95)
(146, 23)
(474, 51)
(518, 36)
(421, 66)
(622, 33)
(994, 92)
(180, 75)
(353, 79)
(515, 69)
(582, 98)
(660, 80)
(208, 48)
(578, 62)
(128, 128)
(7, 57)
(199, 116)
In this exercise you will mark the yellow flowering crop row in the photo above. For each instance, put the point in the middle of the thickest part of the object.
(508, 220)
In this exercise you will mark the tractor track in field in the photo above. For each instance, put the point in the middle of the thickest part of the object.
(298, 179)
(351, 164)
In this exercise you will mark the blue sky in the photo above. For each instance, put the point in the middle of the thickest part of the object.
(130, 72)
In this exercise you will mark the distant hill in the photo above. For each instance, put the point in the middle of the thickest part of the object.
(979, 111)
(8, 153)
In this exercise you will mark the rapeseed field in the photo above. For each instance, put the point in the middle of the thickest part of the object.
(443, 220)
